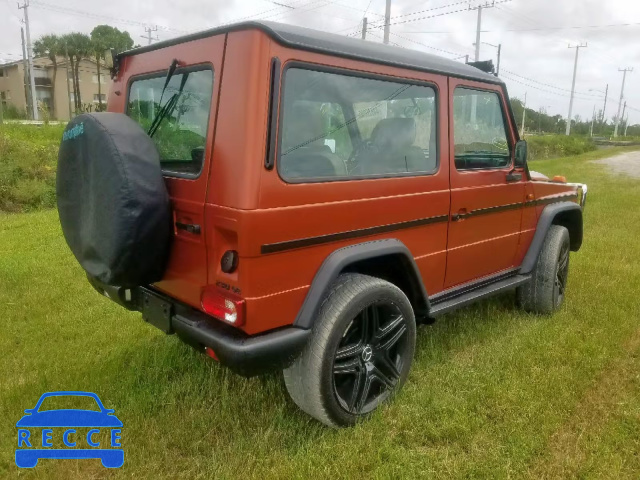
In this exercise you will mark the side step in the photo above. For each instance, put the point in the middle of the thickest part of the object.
(450, 303)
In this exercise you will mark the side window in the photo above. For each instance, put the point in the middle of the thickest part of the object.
(480, 139)
(181, 120)
(341, 126)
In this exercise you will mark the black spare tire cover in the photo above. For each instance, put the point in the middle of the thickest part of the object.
(113, 204)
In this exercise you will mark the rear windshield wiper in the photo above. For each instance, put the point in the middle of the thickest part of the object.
(166, 110)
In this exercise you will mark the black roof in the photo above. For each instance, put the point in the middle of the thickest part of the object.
(343, 46)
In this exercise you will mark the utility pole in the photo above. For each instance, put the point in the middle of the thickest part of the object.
(524, 114)
(479, 25)
(626, 125)
(499, 47)
(32, 82)
(148, 36)
(66, 55)
(624, 77)
(573, 86)
(478, 28)
(387, 20)
(364, 28)
(593, 117)
(624, 110)
(25, 68)
(1, 107)
(606, 93)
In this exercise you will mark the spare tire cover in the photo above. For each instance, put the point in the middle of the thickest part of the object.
(112, 200)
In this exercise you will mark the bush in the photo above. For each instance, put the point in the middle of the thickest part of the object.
(550, 146)
(28, 157)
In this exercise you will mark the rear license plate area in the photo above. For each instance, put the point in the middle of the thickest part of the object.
(156, 311)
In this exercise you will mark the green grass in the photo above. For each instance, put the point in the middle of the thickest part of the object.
(28, 158)
(494, 392)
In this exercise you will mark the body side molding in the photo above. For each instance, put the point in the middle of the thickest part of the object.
(545, 221)
(342, 258)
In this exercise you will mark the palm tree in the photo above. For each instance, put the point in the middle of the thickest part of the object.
(77, 47)
(49, 46)
(104, 37)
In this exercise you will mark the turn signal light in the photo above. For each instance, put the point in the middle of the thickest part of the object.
(223, 307)
(559, 179)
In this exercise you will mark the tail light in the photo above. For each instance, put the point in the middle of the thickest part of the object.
(223, 306)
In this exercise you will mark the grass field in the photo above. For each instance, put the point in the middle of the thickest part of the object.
(494, 393)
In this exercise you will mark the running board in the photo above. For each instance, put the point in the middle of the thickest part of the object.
(465, 298)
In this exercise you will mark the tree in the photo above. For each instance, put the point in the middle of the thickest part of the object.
(105, 37)
(77, 47)
(49, 46)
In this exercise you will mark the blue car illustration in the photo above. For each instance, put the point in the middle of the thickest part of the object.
(68, 419)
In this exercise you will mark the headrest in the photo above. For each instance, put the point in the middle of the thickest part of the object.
(304, 126)
(394, 133)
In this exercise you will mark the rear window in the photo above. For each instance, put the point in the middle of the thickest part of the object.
(338, 126)
(182, 134)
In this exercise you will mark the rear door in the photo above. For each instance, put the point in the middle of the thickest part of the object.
(184, 139)
(486, 195)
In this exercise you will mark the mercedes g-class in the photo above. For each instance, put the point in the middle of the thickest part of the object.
(283, 198)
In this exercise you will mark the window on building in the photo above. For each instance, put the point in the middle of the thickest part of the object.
(479, 131)
(103, 79)
(98, 97)
(181, 134)
(341, 126)
(40, 72)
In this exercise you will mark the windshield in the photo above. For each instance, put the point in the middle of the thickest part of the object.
(181, 136)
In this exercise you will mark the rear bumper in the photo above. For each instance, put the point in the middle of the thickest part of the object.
(244, 354)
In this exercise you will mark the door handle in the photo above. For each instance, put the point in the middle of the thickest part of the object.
(456, 217)
(513, 177)
(189, 227)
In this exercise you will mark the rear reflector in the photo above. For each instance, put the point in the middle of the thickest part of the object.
(223, 307)
(211, 353)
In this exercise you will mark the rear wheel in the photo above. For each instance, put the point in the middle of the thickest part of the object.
(359, 354)
(546, 291)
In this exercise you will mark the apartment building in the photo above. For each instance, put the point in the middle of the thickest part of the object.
(57, 98)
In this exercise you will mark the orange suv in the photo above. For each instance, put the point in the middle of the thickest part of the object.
(283, 198)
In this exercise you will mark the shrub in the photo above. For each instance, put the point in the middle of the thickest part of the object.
(549, 146)
(28, 157)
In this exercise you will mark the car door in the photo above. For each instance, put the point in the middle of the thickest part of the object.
(184, 141)
(487, 194)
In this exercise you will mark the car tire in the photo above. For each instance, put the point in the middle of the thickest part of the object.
(545, 292)
(359, 354)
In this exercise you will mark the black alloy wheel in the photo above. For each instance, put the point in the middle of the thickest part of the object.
(359, 354)
(562, 272)
(369, 359)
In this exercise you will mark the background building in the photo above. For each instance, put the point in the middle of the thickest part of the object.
(56, 98)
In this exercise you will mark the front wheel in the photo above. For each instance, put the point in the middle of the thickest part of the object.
(359, 354)
(546, 291)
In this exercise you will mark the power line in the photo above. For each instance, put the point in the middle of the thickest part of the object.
(540, 29)
(98, 16)
(550, 85)
(465, 2)
(565, 95)
(427, 46)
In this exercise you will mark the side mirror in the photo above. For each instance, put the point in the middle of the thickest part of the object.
(521, 154)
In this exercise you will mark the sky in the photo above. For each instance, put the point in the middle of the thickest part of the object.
(535, 35)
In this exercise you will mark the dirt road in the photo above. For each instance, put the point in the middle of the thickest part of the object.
(625, 164)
